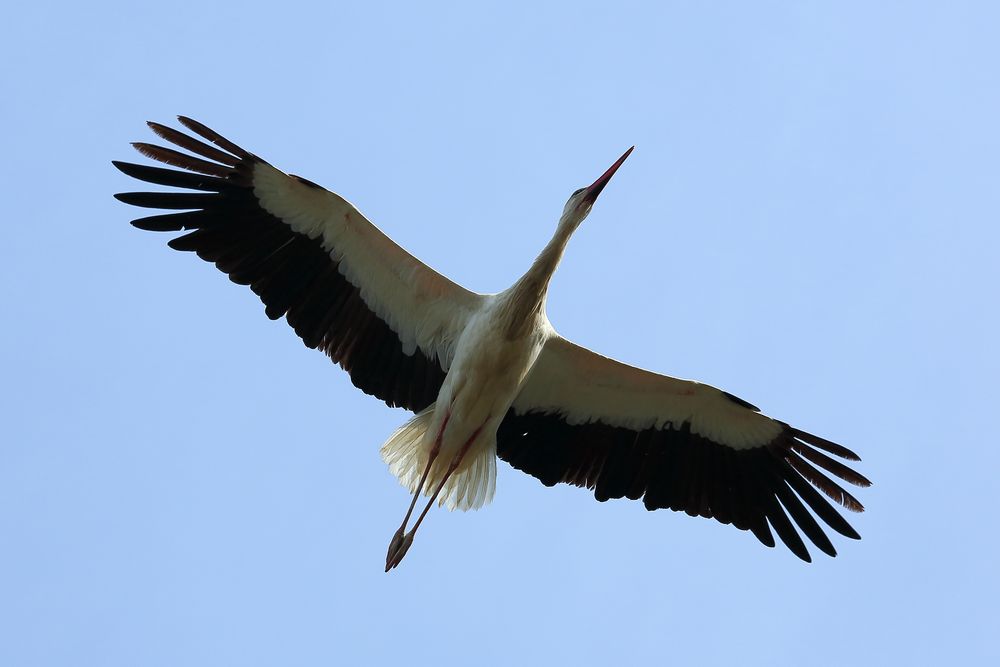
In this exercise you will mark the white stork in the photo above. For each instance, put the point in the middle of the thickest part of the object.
(486, 374)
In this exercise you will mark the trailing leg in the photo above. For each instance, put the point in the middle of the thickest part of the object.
(401, 542)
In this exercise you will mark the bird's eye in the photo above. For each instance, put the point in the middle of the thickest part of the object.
(578, 192)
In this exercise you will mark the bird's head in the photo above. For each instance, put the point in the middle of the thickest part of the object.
(581, 201)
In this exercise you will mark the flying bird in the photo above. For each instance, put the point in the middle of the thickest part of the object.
(486, 375)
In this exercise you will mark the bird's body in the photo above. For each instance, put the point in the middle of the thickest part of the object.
(481, 384)
(495, 352)
(487, 375)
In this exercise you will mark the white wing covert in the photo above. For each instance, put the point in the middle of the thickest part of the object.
(591, 421)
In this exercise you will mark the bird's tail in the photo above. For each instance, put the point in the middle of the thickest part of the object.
(470, 487)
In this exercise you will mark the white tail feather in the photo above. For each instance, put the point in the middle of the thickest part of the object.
(470, 487)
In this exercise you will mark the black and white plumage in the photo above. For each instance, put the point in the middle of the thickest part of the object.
(487, 375)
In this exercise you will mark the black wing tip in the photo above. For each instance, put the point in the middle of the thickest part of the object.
(178, 244)
(129, 168)
(145, 148)
(160, 223)
(762, 532)
(823, 443)
(797, 546)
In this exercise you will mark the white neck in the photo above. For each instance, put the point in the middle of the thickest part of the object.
(525, 300)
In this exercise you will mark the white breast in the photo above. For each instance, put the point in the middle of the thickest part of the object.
(486, 373)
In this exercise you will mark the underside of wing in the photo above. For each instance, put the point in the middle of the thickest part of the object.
(344, 286)
(587, 420)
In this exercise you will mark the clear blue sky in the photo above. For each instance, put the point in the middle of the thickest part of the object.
(809, 220)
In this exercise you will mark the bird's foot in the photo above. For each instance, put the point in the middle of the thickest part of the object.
(398, 547)
(397, 539)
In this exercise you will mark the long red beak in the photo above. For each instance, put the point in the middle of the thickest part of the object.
(598, 185)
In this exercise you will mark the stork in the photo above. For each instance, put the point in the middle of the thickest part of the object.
(486, 375)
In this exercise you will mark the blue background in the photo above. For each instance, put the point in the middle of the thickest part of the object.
(809, 221)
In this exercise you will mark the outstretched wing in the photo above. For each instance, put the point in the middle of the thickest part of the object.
(345, 287)
(588, 420)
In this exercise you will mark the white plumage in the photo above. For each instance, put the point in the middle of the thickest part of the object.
(486, 375)
(582, 386)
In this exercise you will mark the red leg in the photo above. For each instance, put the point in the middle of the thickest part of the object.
(406, 540)
(397, 539)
